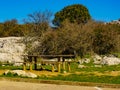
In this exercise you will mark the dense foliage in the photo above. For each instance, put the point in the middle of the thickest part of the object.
(81, 39)
(11, 28)
(93, 37)
(74, 13)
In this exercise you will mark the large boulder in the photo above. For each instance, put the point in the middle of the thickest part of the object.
(21, 73)
(110, 60)
(11, 49)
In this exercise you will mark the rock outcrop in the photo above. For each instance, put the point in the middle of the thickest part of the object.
(11, 49)
(100, 60)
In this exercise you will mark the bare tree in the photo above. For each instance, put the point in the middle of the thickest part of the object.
(39, 23)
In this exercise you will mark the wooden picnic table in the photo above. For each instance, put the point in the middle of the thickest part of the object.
(61, 60)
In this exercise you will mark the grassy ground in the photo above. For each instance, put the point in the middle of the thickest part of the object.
(85, 78)
(103, 74)
(91, 68)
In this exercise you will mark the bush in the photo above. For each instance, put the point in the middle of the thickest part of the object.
(104, 40)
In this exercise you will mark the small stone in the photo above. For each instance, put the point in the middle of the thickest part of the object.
(81, 66)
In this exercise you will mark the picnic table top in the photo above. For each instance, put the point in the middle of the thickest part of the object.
(51, 56)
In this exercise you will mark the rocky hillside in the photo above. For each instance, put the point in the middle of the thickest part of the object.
(11, 49)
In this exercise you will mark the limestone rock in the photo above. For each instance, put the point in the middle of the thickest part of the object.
(81, 66)
(110, 60)
(97, 59)
(81, 61)
(11, 49)
(84, 60)
(21, 73)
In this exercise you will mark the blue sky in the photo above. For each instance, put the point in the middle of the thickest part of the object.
(102, 10)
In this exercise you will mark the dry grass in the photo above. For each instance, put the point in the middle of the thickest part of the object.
(109, 73)
(2, 71)
(39, 73)
(49, 73)
(46, 73)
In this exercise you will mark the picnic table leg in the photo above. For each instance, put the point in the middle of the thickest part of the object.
(30, 66)
(59, 69)
(53, 68)
(69, 69)
(63, 65)
(24, 66)
(30, 58)
(35, 65)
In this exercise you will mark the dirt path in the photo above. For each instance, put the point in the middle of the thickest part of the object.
(10, 85)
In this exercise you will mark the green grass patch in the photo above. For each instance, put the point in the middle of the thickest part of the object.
(10, 67)
(85, 78)
(91, 68)
(76, 78)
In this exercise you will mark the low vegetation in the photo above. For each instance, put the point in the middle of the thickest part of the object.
(92, 68)
(85, 78)
(104, 74)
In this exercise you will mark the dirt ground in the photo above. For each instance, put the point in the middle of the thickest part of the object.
(11, 85)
